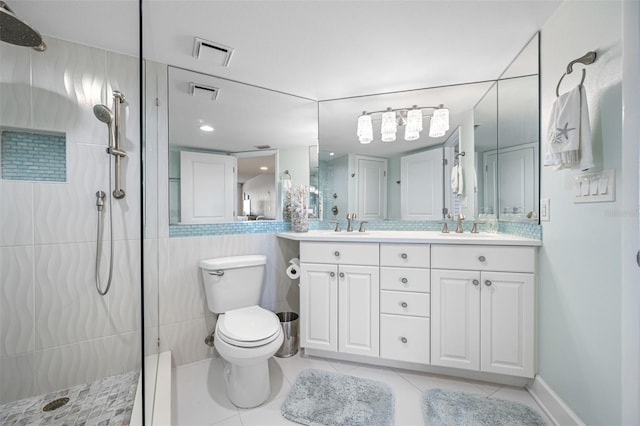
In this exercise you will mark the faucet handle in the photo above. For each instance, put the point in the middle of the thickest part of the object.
(474, 230)
(353, 216)
(337, 225)
(362, 226)
(445, 227)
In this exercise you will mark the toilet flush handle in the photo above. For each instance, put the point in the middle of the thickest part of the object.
(219, 273)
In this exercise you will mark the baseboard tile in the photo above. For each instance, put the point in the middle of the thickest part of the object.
(553, 406)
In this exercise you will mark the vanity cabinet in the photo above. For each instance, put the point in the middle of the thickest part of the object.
(482, 308)
(405, 304)
(340, 297)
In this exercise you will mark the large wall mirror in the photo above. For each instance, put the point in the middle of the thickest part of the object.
(485, 163)
(230, 144)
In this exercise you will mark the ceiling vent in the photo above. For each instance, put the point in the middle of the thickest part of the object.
(209, 51)
(201, 91)
(263, 146)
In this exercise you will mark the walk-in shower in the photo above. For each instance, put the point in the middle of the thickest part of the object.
(16, 31)
(112, 120)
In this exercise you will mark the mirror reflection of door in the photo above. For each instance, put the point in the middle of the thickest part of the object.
(422, 185)
(371, 178)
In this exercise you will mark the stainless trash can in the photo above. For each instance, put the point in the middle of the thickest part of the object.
(289, 324)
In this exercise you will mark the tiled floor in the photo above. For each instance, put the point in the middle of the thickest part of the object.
(107, 401)
(200, 399)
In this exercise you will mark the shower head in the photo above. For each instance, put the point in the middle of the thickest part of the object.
(103, 113)
(15, 31)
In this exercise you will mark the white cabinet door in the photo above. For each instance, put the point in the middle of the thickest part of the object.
(319, 306)
(422, 196)
(455, 319)
(207, 187)
(507, 320)
(359, 310)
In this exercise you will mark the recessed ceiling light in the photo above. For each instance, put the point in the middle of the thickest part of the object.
(264, 168)
(206, 128)
(332, 154)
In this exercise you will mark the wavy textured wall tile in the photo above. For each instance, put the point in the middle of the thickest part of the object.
(17, 328)
(17, 379)
(15, 75)
(16, 213)
(71, 365)
(185, 340)
(68, 79)
(68, 307)
(124, 353)
(124, 295)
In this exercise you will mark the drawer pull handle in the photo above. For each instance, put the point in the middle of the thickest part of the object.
(476, 282)
(341, 274)
(482, 258)
(332, 274)
(403, 255)
(487, 283)
(404, 281)
(336, 253)
(403, 304)
(403, 340)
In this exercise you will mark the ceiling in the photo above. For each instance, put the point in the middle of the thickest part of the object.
(315, 49)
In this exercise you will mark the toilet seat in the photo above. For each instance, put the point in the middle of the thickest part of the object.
(248, 327)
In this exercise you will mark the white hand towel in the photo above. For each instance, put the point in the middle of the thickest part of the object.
(460, 180)
(569, 132)
(454, 179)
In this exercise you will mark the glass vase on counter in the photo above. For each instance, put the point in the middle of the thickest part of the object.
(299, 209)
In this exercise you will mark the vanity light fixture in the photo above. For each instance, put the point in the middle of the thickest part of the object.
(410, 118)
(206, 128)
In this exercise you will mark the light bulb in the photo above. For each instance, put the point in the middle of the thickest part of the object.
(414, 125)
(439, 123)
(388, 127)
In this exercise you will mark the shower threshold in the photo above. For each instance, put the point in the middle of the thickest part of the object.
(107, 401)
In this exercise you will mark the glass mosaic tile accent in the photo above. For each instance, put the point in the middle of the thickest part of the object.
(107, 401)
(527, 230)
(33, 156)
(241, 227)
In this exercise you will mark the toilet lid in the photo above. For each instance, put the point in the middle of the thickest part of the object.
(252, 326)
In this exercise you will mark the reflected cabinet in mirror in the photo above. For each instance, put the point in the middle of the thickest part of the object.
(232, 146)
(376, 162)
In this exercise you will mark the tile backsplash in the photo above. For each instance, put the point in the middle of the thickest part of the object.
(32, 156)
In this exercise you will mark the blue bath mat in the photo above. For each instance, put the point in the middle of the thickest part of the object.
(320, 398)
(449, 408)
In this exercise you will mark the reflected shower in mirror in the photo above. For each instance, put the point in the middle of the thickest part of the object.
(229, 143)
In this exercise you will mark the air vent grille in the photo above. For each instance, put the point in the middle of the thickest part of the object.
(209, 51)
(200, 90)
(262, 146)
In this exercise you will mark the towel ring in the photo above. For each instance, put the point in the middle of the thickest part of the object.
(584, 74)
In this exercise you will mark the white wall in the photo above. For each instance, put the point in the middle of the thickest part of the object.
(55, 330)
(580, 278)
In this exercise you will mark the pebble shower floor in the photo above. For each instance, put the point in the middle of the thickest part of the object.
(108, 401)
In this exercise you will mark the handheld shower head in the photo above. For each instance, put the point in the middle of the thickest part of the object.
(103, 113)
(15, 31)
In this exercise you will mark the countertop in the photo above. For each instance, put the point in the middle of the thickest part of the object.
(424, 237)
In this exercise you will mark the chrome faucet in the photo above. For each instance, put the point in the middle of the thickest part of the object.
(459, 227)
(350, 217)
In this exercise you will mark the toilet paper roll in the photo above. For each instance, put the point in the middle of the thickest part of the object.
(293, 271)
(295, 261)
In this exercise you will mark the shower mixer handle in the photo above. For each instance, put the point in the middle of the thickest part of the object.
(116, 152)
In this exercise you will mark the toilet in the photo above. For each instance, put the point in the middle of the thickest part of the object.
(246, 335)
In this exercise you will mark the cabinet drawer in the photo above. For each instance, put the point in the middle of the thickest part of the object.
(404, 338)
(405, 303)
(484, 258)
(405, 279)
(342, 253)
(408, 255)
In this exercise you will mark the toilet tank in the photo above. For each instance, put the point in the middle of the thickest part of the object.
(232, 282)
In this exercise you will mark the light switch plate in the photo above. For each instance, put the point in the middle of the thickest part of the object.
(596, 187)
(545, 209)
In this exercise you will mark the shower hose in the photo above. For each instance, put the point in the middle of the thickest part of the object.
(99, 240)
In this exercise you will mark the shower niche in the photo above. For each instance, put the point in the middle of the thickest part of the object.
(32, 155)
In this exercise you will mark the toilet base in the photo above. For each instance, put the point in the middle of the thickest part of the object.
(247, 385)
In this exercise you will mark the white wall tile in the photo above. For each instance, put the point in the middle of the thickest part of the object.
(68, 80)
(185, 340)
(17, 379)
(15, 76)
(17, 328)
(124, 293)
(68, 307)
(124, 353)
(16, 213)
(71, 365)
(123, 75)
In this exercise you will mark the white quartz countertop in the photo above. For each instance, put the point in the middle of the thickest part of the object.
(425, 237)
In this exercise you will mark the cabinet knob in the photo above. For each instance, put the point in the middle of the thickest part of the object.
(487, 283)
(476, 282)
(341, 274)
(403, 255)
(403, 340)
(332, 274)
(404, 281)
(403, 304)
(336, 253)
(482, 258)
